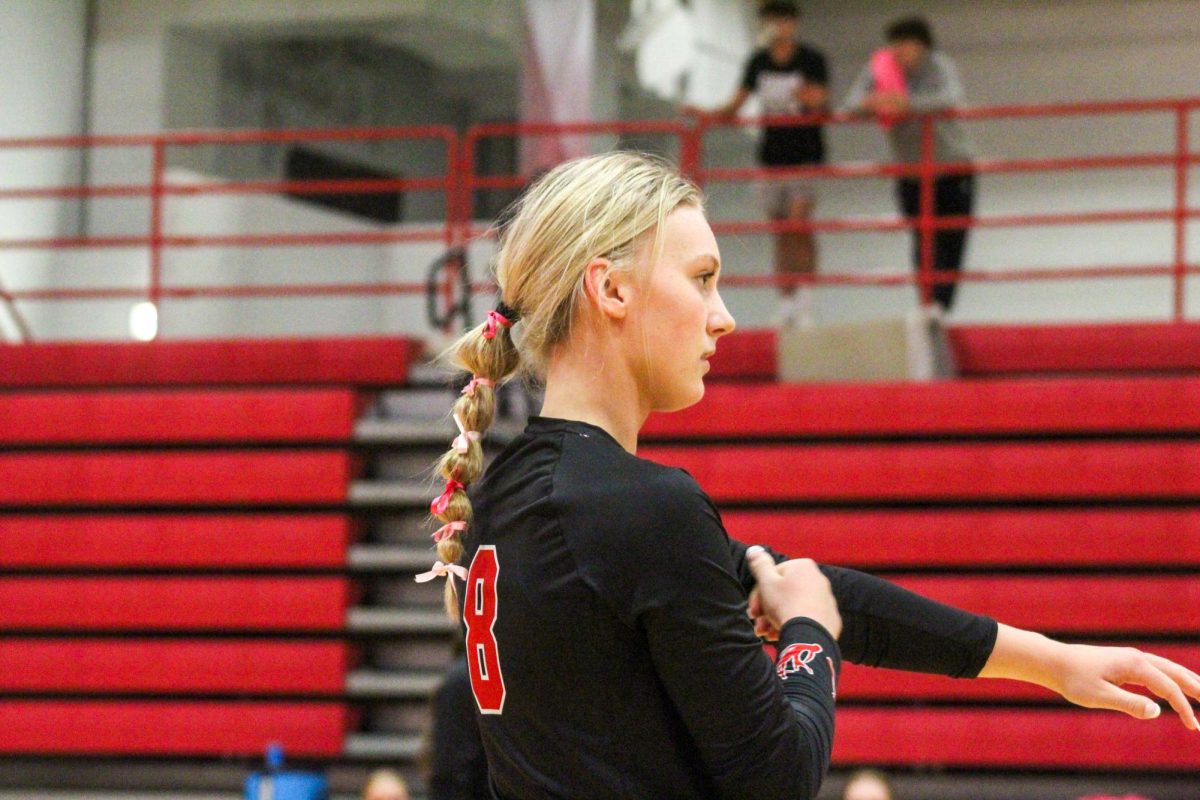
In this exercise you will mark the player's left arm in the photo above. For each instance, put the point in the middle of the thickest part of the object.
(885, 625)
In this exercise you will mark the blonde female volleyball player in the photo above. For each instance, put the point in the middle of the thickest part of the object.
(605, 608)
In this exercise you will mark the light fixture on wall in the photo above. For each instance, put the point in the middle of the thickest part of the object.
(143, 321)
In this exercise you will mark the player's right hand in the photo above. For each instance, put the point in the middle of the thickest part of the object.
(795, 588)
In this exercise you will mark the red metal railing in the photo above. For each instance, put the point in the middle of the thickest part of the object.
(461, 180)
(1180, 159)
(159, 190)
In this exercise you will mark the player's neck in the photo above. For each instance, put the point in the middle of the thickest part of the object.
(594, 387)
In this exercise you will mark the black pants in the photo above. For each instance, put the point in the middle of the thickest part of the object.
(953, 196)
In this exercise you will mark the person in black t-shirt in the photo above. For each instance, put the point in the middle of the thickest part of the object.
(788, 78)
(607, 614)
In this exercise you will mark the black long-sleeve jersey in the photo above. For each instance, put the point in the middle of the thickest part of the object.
(610, 650)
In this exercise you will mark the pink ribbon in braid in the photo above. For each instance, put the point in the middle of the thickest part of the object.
(442, 502)
(469, 389)
(462, 442)
(495, 318)
(450, 528)
(441, 570)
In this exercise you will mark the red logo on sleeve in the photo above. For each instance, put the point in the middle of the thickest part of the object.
(796, 657)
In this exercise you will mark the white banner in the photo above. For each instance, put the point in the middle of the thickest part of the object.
(556, 81)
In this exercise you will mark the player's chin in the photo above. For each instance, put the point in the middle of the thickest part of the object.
(682, 397)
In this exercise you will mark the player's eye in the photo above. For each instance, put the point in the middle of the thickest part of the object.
(706, 278)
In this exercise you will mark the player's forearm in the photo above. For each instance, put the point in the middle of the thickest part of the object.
(1024, 656)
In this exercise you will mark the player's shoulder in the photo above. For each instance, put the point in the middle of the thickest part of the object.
(643, 534)
(618, 480)
(642, 508)
(607, 497)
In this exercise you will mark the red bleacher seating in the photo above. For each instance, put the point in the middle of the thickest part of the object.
(177, 478)
(158, 417)
(952, 408)
(995, 350)
(134, 478)
(1065, 349)
(174, 603)
(977, 537)
(1014, 739)
(748, 355)
(300, 362)
(159, 727)
(1065, 504)
(956, 471)
(175, 540)
(173, 666)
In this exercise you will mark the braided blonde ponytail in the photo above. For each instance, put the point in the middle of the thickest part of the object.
(490, 356)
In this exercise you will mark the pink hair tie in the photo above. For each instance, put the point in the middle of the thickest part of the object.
(495, 318)
(462, 442)
(469, 389)
(449, 529)
(441, 570)
(439, 505)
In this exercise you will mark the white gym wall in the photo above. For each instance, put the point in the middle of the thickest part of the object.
(151, 70)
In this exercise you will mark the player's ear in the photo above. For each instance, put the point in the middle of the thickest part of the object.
(609, 291)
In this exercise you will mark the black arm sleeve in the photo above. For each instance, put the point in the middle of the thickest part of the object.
(762, 730)
(884, 625)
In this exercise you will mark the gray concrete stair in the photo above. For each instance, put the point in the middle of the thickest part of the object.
(397, 621)
(412, 432)
(392, 684)
(391, 494)
(385, 558)
(384, 746)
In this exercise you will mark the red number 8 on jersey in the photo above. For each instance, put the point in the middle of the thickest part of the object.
(479, 614)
